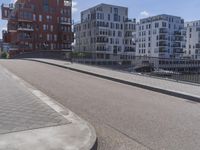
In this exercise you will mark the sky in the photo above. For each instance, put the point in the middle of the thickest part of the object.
(187, 9)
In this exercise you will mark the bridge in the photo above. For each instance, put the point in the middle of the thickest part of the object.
(149, 114)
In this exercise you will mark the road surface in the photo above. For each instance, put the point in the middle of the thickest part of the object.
(125, 117)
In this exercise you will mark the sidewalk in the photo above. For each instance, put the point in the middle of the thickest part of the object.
(178, 89)
(30, 120)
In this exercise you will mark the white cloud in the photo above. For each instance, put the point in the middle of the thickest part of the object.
(74, 6)
(144, 14)
(13, 1)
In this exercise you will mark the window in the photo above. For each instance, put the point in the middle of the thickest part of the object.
(6, 13)
(55, 37)
(156, 25)
(51, 28)
(109, 17)
(48, 37)
(116, 10)
(34, 17)
(164, 24)
(46, 5)
(40, 18)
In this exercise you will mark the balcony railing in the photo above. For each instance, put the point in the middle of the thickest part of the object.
(178, 39)
(25, 19)
(25, 6)
(163, 38)
(197, 45)
(163, 50)
(12, 28)
(102, 40)
(163, 44)
(65, 22)
(11, 6)
(163, 31)
(178, 50)
(176, 45)
(25, 28)
(24, 37)
(177, 33)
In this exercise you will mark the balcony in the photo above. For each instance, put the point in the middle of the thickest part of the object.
(197, 46)
(163, 38)
(176, 44)
(25, 19)
(163, 44)
(12, 28)
(25, 7)
(178, 38)
(163, 50)
(197, 51)
(178, 50)
(13, 48)
(65, 23)
(24, 37)
(6, 11)
(25, 28)
(177, 33)
(163, 31)
(102, 40)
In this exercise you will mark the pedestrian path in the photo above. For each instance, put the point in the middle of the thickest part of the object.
(30, 120)
(179, 89)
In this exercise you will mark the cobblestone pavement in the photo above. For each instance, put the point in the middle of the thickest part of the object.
(20, 110)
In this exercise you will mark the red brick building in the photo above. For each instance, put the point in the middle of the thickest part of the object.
(38, 25)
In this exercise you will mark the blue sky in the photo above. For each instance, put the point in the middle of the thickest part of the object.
(187, 9)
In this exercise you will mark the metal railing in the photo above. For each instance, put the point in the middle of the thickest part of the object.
(187, 70)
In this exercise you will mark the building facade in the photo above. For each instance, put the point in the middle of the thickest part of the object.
(160, 36)
(192, 49)
(105, 29)
(38, 25)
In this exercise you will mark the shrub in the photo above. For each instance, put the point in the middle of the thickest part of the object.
(4, 55)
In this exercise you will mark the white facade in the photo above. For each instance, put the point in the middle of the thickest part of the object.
(192, 39)
(160, 36)
(105, 28)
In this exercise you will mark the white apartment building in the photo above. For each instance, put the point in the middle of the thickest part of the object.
(192, 49)
(160, 36)
(105, 29)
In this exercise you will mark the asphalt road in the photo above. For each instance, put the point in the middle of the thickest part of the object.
(125, 117)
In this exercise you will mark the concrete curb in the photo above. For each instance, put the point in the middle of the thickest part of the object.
(155, 89)
(75, 121)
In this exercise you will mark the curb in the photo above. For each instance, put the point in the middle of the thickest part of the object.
(154, 89)
(92, 141)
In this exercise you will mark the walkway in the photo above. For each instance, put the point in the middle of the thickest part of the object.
(30, 120)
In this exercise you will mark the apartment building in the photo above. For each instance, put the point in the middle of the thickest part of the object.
(192, 49)
(160, 36)
(105, 29)
(38, 25)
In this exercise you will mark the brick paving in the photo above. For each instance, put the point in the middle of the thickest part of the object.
(20, 110)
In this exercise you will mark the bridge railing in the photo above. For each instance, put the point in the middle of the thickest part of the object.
(51, 54)
(177, 69)
(187, 70)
